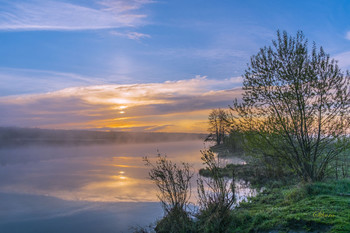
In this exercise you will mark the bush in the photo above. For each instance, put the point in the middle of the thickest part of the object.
(339, 187)
(173, 182)
(216, 197)
(177, 220)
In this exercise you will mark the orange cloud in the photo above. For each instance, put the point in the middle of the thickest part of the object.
(172, 106)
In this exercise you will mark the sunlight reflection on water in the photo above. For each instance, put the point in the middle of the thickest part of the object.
(112, 173)
(71, 184)
(103, 173)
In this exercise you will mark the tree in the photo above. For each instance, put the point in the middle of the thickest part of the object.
(295, 106)
(218, 125)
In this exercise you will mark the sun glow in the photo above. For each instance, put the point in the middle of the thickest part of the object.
(126, 166)
(119, 101)
(181, 106)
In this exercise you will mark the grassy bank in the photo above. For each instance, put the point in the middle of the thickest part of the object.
(317, 207)
(285, 205)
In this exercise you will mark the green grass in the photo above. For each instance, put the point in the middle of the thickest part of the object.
(316, 207)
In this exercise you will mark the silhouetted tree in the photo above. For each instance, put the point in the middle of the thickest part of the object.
(218, 125)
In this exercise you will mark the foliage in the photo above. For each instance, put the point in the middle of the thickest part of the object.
(234, 142)
(340, 167)
(173, 183)
(216, 197)
(218, 125)
(253, 174)
(295, 109)
(176, 221)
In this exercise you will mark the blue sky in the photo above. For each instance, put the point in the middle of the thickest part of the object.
(48, 45)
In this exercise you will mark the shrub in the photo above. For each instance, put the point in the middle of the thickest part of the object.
(216, 197)
(173, 183)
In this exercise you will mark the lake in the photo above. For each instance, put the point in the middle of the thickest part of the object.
(86, 188)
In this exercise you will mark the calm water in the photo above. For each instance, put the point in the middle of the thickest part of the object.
(97, 188)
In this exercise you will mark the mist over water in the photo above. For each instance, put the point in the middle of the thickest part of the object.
(107, 172)
(77, 186)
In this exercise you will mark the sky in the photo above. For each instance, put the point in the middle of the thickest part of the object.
(144, 65)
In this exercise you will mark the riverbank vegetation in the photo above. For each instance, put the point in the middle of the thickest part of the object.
(312, 207)
(291, 128)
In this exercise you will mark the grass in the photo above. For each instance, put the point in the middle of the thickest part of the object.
(285, 206)
(282, 207)
(316, 207)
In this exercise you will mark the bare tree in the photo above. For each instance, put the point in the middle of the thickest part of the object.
(295, 106)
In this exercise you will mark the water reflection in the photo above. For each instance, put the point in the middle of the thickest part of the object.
(56, 181)
(104, 173)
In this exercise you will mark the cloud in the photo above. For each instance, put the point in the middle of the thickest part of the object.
(343, 60)
(26, 81)
(124, 5)
(169, 106)
(131, 35)
(59, 15)
(347, 36)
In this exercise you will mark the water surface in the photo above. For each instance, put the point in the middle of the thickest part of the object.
(84, 188)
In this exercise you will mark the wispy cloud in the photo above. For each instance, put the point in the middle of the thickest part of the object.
(26, 81)
(59, 15)
(131, 35)
(170, 106)
(343, 60)
(347, 36)
(124, 5)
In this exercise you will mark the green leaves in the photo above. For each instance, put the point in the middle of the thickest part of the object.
(296, 103)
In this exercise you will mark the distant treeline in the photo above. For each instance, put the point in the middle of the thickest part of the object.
(21, 136)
